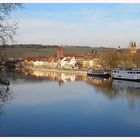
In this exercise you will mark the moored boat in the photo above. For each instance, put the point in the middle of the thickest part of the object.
(126, 74)
(101, 74)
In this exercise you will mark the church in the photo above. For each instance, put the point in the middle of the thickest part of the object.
(133, 47)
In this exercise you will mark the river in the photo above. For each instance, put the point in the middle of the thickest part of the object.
(39, 103)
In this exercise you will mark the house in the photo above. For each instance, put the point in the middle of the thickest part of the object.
(68, 62)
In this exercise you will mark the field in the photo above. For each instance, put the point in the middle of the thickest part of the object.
(32, 51)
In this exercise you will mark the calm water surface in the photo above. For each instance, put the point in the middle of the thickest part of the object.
(57, 104)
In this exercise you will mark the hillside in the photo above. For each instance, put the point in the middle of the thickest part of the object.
(31, 50)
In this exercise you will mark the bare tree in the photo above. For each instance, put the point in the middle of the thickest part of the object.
(7, 29)
(109, 59)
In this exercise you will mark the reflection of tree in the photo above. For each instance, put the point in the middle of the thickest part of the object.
(5, 94)
(104, 86)
(111, 89)
(5, 98)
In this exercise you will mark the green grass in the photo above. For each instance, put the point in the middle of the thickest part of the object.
(32, 52)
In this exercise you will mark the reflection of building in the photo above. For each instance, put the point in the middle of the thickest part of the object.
(133, 47)
(60, 77)
(67, 77)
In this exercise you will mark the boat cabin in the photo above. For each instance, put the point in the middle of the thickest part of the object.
(126, 74)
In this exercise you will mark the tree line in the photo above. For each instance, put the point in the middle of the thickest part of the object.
(114, 59)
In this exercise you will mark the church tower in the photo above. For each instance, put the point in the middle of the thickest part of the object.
(133, 47)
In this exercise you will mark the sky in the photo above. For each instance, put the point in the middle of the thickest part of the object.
(87, 24)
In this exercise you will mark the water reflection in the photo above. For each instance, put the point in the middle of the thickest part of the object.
(5, 98)
(83, 106)
(62, 78)
(111, 89)
(128, 89)
(107, 87)
(103, 86)
(117, 88)
(5, 94)
(126, 85)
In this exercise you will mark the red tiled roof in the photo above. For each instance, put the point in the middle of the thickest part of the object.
(44, 58)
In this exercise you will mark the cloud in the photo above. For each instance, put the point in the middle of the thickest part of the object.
(99, 26)
(41, 30)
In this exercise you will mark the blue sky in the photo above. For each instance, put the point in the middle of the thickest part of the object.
(95, 25)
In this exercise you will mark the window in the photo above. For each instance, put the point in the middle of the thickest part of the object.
(138, 72)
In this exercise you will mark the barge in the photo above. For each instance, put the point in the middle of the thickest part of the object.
(100, 74)
(126, 74)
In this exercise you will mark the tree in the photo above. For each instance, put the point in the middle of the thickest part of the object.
(7, 29)
(109, 59)
(136, 60)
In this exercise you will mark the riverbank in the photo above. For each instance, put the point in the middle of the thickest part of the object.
(79, 72)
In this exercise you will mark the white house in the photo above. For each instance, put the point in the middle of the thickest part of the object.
(68, 61)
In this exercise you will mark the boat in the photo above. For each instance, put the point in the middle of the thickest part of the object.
(126, 74)
(98, 73)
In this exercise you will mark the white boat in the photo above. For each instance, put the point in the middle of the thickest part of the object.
(126, 74)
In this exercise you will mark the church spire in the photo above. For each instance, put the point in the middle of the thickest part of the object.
(133, 47)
